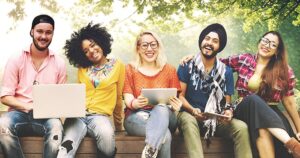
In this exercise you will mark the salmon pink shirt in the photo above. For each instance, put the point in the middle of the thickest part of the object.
(20, 74)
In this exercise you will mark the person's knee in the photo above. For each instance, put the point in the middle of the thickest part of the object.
(54, 125)
(54, 130)
(240, 128)
(6, 127)
(253, 100)
(161, 110)
(4, 132)
(105, 133)
(187, 122)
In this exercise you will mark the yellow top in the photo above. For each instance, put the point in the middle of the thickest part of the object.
(254, 82)
(106, 98)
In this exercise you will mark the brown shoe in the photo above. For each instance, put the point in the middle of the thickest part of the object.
(294, 147)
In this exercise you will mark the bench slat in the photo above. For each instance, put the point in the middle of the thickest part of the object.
(130, 147)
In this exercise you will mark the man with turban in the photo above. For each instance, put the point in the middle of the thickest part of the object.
(207, 86)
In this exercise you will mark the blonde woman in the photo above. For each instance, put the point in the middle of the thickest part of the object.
(150, 70)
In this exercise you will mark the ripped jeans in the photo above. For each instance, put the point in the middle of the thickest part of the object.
(97, 126)
(156, 124)
(16, 123)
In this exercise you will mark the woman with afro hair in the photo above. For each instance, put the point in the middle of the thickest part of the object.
(104, 78)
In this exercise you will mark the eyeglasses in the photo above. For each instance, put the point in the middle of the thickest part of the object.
(269, 43)
(145, 45)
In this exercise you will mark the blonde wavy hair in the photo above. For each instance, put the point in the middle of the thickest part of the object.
(161, 59)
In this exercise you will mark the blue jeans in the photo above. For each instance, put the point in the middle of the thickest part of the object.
(15, 123)
(97, 126)
(156, 125)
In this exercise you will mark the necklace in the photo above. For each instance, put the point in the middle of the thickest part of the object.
(98, 68)
(98, 73)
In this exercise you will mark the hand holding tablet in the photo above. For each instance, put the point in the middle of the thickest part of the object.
(215, 115)
(159, 95)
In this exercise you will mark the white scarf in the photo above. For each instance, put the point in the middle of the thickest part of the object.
(213, 83)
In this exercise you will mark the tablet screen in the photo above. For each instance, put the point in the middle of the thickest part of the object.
(159, 95)
(212, 115)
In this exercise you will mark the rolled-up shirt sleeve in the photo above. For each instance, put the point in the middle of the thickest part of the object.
(10, 78)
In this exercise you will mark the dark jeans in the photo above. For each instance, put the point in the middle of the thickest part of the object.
(15, 123)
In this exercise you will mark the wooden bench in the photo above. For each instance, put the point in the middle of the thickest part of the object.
(130, 147)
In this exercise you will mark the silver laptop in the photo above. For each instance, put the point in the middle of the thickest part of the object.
(58, 100)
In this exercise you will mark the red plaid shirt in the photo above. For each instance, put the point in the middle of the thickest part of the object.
(244, 65)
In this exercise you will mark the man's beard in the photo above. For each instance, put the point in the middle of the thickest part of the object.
(38, 47)
(207, 56)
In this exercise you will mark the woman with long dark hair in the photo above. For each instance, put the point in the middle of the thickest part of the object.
(265, 80)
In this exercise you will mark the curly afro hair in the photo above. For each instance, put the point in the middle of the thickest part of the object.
(73, 46)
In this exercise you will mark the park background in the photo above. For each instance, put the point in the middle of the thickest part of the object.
(178, 23)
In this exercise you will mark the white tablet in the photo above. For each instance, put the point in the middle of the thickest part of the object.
(159, 95)
(214, 115)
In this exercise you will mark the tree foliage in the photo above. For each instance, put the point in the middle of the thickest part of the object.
(171, 12)
(253, 12)
(179, 22)
(18, 12)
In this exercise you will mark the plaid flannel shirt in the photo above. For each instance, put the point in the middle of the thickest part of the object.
(244, 65)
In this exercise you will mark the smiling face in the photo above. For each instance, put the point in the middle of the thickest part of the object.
(148, 48)
(268, 45)
(42, 34)
(93, 51)
(210, 45)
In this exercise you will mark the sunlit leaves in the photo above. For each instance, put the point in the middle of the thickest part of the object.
(50, 5)
(17, 13)
(253, 11)
(297, 20)
(103, 6)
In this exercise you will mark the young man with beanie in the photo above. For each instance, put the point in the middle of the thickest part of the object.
(207, 85)
(35, 65)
